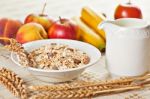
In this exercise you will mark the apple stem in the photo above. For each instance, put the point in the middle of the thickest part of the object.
(60, 20)
(129, 2)
(43, 9)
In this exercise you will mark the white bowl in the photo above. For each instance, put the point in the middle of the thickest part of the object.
(60, 75)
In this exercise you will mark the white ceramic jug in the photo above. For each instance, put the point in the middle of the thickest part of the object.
(127, 47)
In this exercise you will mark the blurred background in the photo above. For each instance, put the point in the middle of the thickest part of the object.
(19, 9)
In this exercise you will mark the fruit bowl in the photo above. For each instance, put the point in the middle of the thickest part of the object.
(56, 76)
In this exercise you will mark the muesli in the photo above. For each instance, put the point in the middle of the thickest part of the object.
(58, 57)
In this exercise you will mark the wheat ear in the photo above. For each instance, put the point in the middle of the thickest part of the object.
(9, 85)
(63, 94)
(79, 85)
(14, 46)
(89, 89)
(80, 93)
(15, 81)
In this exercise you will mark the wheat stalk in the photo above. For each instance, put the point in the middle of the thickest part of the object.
(15, 81)
(110, 83)
(11, 75)
(79, 93)
(88, 89)
(118, 90)
(65, 86)
(63, 94)
(19, 49)
(9, 85)
(14, 46)
(70, 87)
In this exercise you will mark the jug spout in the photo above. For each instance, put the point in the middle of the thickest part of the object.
(109, 26)
(105, 24)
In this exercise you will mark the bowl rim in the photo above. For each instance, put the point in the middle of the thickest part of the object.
(65, 70)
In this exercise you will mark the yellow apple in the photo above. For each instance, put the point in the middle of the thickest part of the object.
(44, 20)
(30, 32)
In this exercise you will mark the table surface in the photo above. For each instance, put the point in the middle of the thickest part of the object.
(94, 73)
(19, 9)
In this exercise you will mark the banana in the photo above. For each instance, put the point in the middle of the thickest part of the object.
(88, 35)
(92, 20)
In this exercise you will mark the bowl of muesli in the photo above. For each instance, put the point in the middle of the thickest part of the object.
(57, 60)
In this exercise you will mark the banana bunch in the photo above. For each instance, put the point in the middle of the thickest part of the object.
(88, 28)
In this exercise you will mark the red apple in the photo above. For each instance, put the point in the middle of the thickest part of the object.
(64, 29)
(128, 10)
